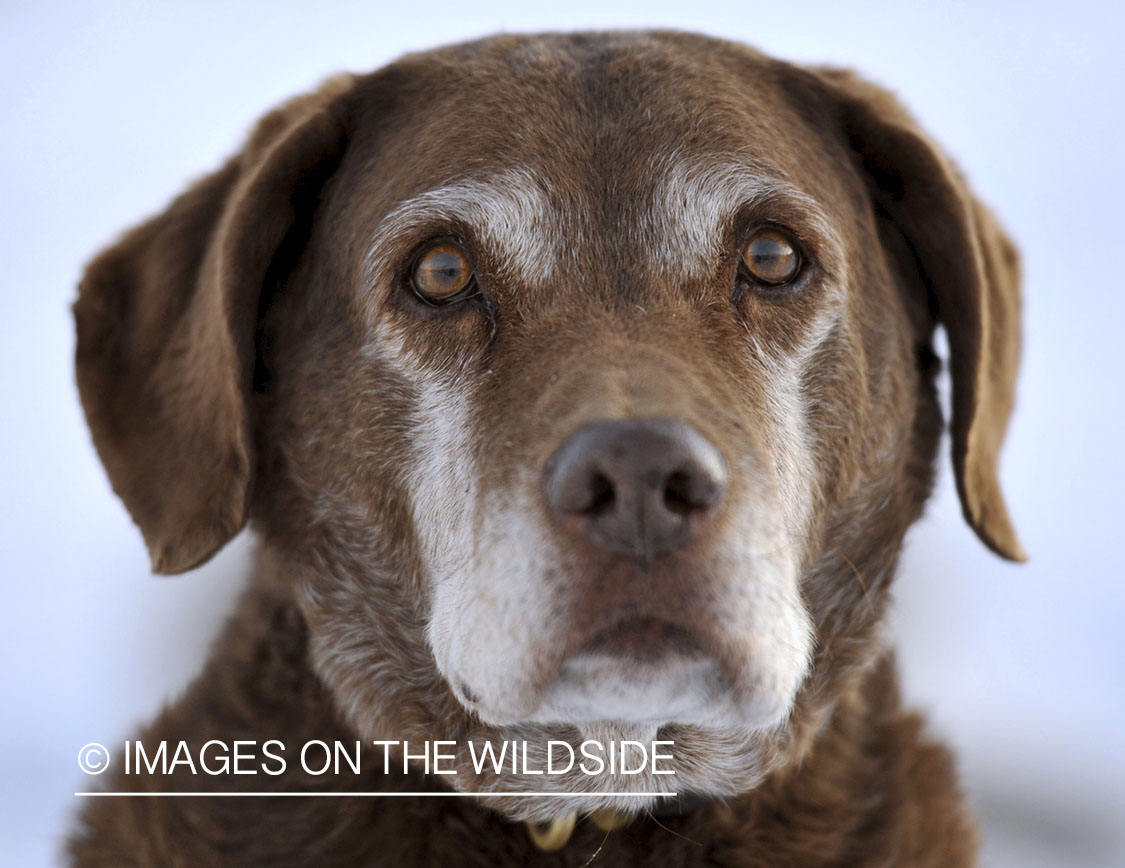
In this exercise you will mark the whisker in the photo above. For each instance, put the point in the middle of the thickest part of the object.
(862, 583)
(672, 831)
(596, 853)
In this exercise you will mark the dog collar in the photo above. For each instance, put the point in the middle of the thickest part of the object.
(555, 834)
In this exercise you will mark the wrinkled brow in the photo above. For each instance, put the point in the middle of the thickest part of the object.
(509, 211)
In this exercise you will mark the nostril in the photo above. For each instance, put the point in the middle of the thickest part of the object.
(579, 487)
(602, 495)
(687, 491)
(678, 494)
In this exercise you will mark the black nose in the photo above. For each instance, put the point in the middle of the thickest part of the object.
(636, 484)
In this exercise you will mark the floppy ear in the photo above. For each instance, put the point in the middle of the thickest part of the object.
(972, 273)
(166, 324)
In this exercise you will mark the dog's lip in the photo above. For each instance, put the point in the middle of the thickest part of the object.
(643, 640)
(639, 669)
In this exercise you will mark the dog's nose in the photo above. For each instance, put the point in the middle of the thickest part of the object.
(635, 485)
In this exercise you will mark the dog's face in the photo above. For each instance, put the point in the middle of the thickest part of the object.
(583, 386)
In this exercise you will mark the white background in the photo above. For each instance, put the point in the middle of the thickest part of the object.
(108, 109)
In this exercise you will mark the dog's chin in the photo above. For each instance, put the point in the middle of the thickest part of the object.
(704, 761)
(685, 687)
(680, 688)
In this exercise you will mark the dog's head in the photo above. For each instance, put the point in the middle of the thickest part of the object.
(580, 385)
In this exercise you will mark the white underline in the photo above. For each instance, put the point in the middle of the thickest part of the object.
(401, 795)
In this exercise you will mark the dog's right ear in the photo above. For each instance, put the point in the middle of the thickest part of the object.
(166, 324)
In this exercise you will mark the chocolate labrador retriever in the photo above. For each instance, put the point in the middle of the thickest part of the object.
(579, 390)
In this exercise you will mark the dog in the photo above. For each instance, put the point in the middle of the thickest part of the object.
(579, 388)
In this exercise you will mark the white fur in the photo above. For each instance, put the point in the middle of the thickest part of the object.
(509, 210)
(695, 199)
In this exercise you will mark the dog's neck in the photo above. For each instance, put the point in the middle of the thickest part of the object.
(867, 781)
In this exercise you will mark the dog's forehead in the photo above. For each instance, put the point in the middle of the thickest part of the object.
(602, 148)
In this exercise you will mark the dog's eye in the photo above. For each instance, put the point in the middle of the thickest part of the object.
(771, 257)
(442, 273)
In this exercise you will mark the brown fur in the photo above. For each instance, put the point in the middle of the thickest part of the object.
(224, 365)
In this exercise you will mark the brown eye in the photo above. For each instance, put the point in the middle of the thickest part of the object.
(441, 273)
(770, 257)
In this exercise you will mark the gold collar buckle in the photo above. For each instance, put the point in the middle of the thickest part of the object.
(553, 835)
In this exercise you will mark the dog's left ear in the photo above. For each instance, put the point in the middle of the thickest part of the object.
(971, 271)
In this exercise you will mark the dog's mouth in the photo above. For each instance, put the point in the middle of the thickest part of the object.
(639, 670)
(643, 641)
(708, 637)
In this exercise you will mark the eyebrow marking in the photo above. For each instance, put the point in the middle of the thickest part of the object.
(680, 220)
(695, 199)
(510, 209)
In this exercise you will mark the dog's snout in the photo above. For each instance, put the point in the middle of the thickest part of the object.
(635, 486)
